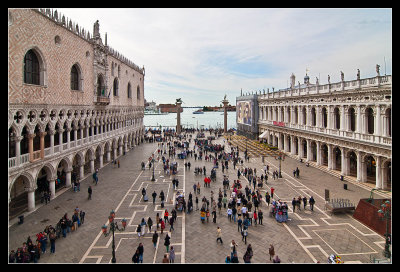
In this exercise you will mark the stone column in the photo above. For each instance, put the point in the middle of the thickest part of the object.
(52, 185)
(115, 152)
(92, 164)
(30, 146)
(378, 171)
(318, 153)
(68, 177)
(344, 162)
(359, 167)
(125, 146)
(300, 147)
(378, 120)
(286, 141)
(329, 156)
(76, 136)
(31, 200)
(280, 142)
(178, 117)
(42, 134)
(358, 119)
(292, 145)
(81, 171)
(225, 102)
(60, 138)
(101, 160)
(108, 155)
(342, 121)
(18, 140)
(318, 112)
(308, 149)
(68, 136)
(52, 132)
(120, 149)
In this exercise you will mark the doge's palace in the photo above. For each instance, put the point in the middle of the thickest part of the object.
(74, 104)
(343, 126)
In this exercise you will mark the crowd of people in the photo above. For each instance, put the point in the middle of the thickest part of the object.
(31, 250)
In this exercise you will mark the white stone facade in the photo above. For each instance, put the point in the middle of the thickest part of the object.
(55, 130)
(345, 126)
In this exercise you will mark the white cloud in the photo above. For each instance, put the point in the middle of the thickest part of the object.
(187, 52)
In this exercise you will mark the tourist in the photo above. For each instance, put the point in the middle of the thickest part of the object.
(136, 256)
(294, 203)
(165, 260)
(271, 251)
(149, 223)
(89, 193)
(248, 254)
(139, 230)
(172, 255)
(166, 215)
(219, 234)
(154, 195)
(162, 225)
(155, 239)
(312, 201)
(276, 260)
(272, 192)
(143, 225)
(260, 217)
(140, 248)
(233, 247)
(228, 259)
(305, 202)
(244, 235)
(167, 242)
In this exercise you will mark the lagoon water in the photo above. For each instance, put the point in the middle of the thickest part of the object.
(190, 120)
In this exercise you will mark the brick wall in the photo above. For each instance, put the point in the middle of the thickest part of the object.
(29, 29)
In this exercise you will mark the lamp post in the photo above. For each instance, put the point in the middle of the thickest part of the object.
(385, 214)
(113, 227)
(152, 178)
(280, 157)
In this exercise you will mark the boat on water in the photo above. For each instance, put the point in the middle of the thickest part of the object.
(199, 111)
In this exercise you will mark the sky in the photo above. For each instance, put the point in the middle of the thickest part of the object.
(202, 54)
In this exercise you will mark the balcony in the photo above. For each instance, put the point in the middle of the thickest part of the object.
(101, 100)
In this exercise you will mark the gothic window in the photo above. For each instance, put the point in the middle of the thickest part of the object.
(129, 91)
(115, 87)
(112, 68)
(31, 68)
(75, 78)
(138, 93)
(100, 86)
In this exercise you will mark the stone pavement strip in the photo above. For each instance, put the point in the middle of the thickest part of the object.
(308, 237)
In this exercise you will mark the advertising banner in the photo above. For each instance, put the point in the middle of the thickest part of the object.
(244, 111)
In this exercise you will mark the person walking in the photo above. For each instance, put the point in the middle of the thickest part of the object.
(260, 217)
(248, 254)
(143, 225)
(305, 202)
(233, 247)
(229, 212)
(155, 239)
(136, 256)
(154, 195)
(244, 235)
(172, 255)
(214, 215)
(82, 216)
(271, 252)
(312, 201)
(167, 242)
(294, 203)
(90, 192)
(52, 237)
(139, 230)
(255, 217)
(166, 216)
(267, 198)
(149, 223)
(272, 192)
(171, 223)
(140, 248)
(219, 235)
(239, 223)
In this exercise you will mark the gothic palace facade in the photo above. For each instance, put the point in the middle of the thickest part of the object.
(74, 104)
(344, 126)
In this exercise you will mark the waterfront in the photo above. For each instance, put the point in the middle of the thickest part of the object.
(190, 120)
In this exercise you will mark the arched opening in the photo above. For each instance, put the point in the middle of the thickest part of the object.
(370, 166)
(75, 78)
(304, 143)
(61, 174)
(138, 93)
(129, 90)
(296, 144)
(369, 112)
(313, 117)
(387, 175)
(289, 147)
(42, 183)
(106, 149)
(313, 151)
(337, 159)
(304, 116)
(24, 145)
(86, 167)
(352, 119)
(296, 118)
(119, 151)
(97, 160)
(324, 118)
(18, 197)
(324, 154)
(47, 137)
(336, 115)
(76, 162)
(31, 68)
(352, 164)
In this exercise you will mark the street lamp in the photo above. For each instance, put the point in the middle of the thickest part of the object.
(385, 214)
(280, 157)
(152, 178)
(113, 227)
